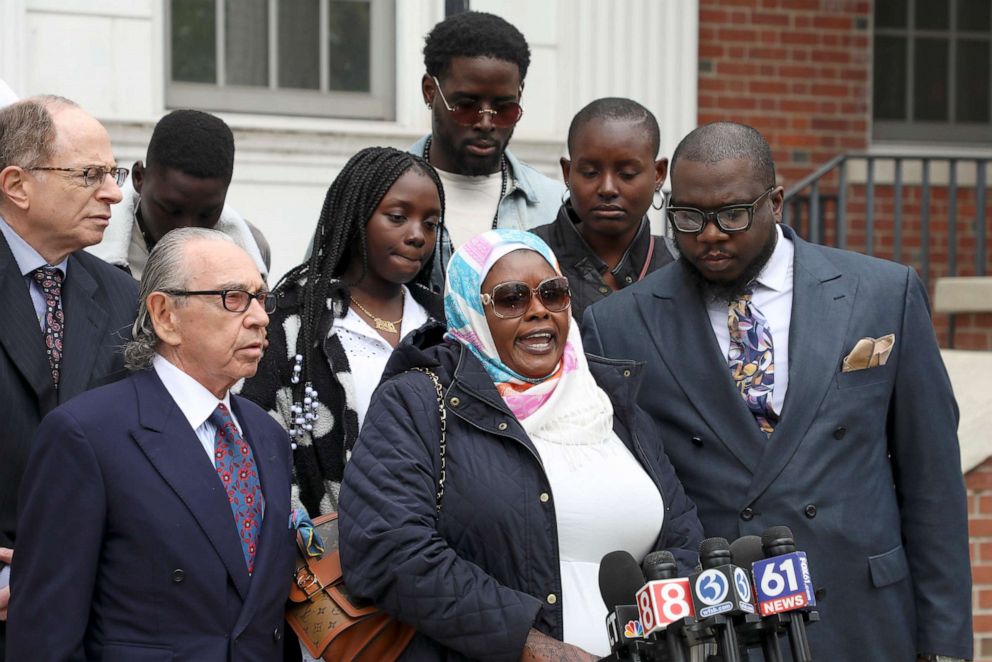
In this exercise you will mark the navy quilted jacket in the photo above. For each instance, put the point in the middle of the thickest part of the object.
(475, 579)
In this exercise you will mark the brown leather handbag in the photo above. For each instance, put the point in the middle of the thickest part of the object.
(331, 624)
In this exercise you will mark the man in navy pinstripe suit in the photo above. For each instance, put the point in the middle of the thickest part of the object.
(58, 178)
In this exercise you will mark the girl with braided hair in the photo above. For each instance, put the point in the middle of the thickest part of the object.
(340, 313)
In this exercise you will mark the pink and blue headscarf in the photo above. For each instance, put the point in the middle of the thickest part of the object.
(467, 322)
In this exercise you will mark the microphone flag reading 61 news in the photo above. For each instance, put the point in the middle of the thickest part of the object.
(782, 581)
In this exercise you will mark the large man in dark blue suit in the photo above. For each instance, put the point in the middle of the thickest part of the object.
(140, 536)
(51, 207)
(850, 437)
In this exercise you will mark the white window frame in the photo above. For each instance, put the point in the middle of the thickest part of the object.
(377, 104)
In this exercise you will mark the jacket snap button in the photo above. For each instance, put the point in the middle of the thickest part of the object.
(178, 575)
(697, 441)
(501, 426)
(629, 279)
(552, 598)
(604, 290)
(626, 373)
(277, 634)
(454, 401)
(747, 514)
(840, 432)
(544, 497)
(810, 511)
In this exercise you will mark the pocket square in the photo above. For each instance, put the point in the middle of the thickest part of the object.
(869, 353)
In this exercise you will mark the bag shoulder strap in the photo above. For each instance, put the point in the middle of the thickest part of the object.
(442, 446)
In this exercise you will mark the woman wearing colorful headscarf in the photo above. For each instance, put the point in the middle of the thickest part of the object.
(490, 548)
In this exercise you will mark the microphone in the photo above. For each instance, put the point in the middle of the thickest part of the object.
(720, 592)
(783, 584)
(664, 603)
(745, 551)
(619, 579)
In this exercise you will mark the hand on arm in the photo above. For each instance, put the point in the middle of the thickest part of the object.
(6, 556)
(539, 647)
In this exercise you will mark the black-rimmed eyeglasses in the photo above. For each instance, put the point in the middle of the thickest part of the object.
(730, 219)
(512, 299)
(92, 175)
(236, 301)
(467, 113)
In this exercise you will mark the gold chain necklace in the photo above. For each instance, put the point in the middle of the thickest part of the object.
(380, 324)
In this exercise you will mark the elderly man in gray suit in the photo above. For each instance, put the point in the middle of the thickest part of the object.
(801, 385)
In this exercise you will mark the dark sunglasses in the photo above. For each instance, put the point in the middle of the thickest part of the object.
(467, 113)
(512, 299)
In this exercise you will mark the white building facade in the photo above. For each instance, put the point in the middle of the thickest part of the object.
(306, 83)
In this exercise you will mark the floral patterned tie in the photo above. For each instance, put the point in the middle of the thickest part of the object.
(49, 279)
(751, 359)
(237, 470)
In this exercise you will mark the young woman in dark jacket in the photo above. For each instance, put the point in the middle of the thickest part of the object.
(602, 235)
(490, 548)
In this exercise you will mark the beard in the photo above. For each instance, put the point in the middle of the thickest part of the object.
(728, 291)
(467, 164)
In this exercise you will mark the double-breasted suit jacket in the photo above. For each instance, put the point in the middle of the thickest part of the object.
(863, 465)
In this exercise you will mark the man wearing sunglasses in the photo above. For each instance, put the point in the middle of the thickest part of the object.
(58, 180)
(801, 385)
(476, 64)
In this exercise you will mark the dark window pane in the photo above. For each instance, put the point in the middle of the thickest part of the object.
(299, 44)
(194, 51)
(246, 47)
(972, 96)
(933, 14)
(974, 15)
(890, 78)
(930, 80)
(350, 36)
(891, 13)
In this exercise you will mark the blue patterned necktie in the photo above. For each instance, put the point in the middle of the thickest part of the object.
(752, 360)
(49, 279)
(239, 474)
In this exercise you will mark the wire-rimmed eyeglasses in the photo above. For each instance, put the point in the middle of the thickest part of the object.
(467, 113)
(92, 175)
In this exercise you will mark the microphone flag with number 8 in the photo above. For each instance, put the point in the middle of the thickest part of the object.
(663, 602)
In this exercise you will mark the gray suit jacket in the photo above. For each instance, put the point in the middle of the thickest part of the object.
(863, 466)
(100, 303)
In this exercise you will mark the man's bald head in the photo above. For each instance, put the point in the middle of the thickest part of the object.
(723, 141)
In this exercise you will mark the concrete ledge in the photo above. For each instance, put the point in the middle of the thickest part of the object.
(963, 295)
(971, 377)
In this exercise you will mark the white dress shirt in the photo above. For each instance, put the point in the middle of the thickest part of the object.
(773, 298)
(194, 401)
(368, 352)
(470, 203)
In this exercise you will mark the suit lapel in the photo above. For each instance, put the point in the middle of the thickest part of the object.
(275, 489)
(85, 321)
(174, 450)
(688, 347)
(20, 331)
(822, 301)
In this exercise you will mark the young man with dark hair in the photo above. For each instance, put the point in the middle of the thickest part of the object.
(476, 64)
(183, 184)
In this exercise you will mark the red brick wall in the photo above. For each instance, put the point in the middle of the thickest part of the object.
(979, 484)
(800, 72)
(796, 70)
